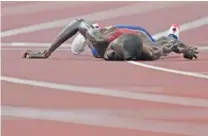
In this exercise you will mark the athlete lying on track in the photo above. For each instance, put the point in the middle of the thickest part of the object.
(113, 43)
(78, 45)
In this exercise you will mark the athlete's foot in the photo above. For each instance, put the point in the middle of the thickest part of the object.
(174, 31)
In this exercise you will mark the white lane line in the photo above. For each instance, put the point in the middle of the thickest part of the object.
(204, 73)
(185, 73)
(34, 49)
(137, 8)
(30, 44)
(28, 8)
(105, 120)
(184, 101)
(16, 45)
(184, 27)
(187, 26)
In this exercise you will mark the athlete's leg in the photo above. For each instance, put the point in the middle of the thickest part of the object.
(174, 31)
(173, 34)
(79, 44)
(78, 25)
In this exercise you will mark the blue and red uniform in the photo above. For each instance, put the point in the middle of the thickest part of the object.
(137, 28)
(123, 30)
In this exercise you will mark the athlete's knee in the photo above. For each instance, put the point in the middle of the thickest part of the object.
(80, 20)
(83, 26)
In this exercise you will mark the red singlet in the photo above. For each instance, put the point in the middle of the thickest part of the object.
(120, 32)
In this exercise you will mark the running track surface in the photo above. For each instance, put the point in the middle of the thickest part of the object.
(39, 111)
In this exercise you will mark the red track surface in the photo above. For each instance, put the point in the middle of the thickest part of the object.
(152, 118)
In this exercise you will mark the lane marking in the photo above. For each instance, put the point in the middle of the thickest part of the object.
(137, 8)
(185, 73)
(190, 25)
(19, 46)
(184, 101)
(106, 120)
(46, 44)
(34, 49)
(206, 73)
(34, 7)
(30, 44)
(16, 45)
(187, 26)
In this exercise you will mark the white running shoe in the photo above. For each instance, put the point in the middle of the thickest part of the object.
(97, 25)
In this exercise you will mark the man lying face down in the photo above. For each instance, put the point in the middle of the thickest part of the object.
(113, 43)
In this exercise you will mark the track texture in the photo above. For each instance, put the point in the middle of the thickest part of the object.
(29, 110)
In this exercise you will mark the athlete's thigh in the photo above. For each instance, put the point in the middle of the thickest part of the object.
(84, 28)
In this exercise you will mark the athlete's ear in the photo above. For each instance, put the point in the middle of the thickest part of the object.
(109, 54)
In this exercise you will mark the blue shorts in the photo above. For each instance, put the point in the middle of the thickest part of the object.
(138, 28)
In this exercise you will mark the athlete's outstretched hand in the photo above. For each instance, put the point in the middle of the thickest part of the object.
(36, 55)
(191, 53)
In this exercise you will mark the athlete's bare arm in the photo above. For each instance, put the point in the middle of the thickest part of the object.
(164, 45)
(167, 46)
